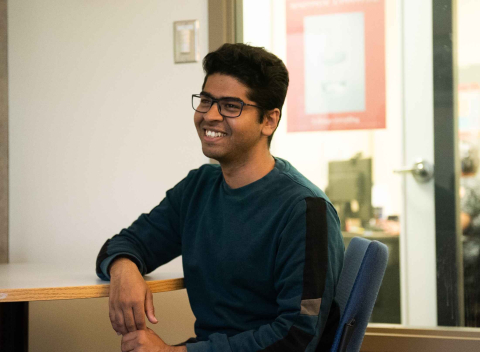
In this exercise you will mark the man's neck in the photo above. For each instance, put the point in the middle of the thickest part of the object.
(241, 173)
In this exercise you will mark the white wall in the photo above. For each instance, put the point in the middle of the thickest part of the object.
(101, 125)
(310, 152)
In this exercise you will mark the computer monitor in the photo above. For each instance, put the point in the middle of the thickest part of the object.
(350, 183)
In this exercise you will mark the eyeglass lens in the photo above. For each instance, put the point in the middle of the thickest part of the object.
(227, 107)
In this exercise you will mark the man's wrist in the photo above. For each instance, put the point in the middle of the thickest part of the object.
(118, 263)
(178, 349)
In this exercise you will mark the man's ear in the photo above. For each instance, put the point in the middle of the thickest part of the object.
(270, 122)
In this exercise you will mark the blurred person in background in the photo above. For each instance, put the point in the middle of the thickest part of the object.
(470, 222)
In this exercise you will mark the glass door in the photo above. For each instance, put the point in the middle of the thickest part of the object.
(468, 90)
(360, 122)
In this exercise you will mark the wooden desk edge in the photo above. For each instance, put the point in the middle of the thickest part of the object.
(78, 292)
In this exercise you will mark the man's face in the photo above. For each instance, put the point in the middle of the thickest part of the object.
(233, 139)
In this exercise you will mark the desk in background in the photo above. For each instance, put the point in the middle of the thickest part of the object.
(22, 283)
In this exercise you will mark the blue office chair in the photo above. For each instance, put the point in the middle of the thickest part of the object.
(357, 289)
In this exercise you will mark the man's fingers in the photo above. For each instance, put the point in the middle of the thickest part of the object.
(129, 319)
(111, 315)
(129, 336)
(120, 322)
(129, 342)
(132, 340)
(139, 316)
(149, 308)
(128, 346)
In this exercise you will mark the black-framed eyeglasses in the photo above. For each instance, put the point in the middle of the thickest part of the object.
(227, 107)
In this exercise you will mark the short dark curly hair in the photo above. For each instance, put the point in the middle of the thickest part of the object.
(262, 72)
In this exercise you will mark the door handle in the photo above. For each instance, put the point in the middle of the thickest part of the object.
(421, 170)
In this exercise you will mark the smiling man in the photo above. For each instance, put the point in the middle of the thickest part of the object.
(261, 245)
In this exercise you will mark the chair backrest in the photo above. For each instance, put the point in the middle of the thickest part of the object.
(357, 289)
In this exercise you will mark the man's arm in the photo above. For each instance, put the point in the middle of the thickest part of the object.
(308, 264)
(129, 299)
(147, 341)
(152, 240)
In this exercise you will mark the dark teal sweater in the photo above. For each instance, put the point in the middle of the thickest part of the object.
(261, 262)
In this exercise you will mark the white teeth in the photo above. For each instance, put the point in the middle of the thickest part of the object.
(209, 133)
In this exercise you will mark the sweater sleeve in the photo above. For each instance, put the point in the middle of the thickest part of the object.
(151, 241)
(307, 267)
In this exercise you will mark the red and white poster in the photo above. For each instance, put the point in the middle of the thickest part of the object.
(336, 61)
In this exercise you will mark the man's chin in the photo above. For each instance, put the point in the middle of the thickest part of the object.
(212, 155)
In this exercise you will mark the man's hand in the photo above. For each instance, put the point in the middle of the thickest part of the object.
(146, 341)
(130, 298)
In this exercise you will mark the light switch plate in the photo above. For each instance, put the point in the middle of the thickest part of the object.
(185, 38)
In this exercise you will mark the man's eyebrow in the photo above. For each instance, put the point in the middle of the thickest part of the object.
(211, 96)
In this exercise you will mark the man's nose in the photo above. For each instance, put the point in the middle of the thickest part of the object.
(214, 113)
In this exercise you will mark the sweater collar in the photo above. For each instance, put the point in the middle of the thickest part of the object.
(258, 185)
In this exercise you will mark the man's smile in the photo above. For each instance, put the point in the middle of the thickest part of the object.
(211, 134)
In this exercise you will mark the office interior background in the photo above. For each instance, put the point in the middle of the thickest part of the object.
(100, 126)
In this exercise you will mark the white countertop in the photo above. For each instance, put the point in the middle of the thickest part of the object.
(32, 282)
